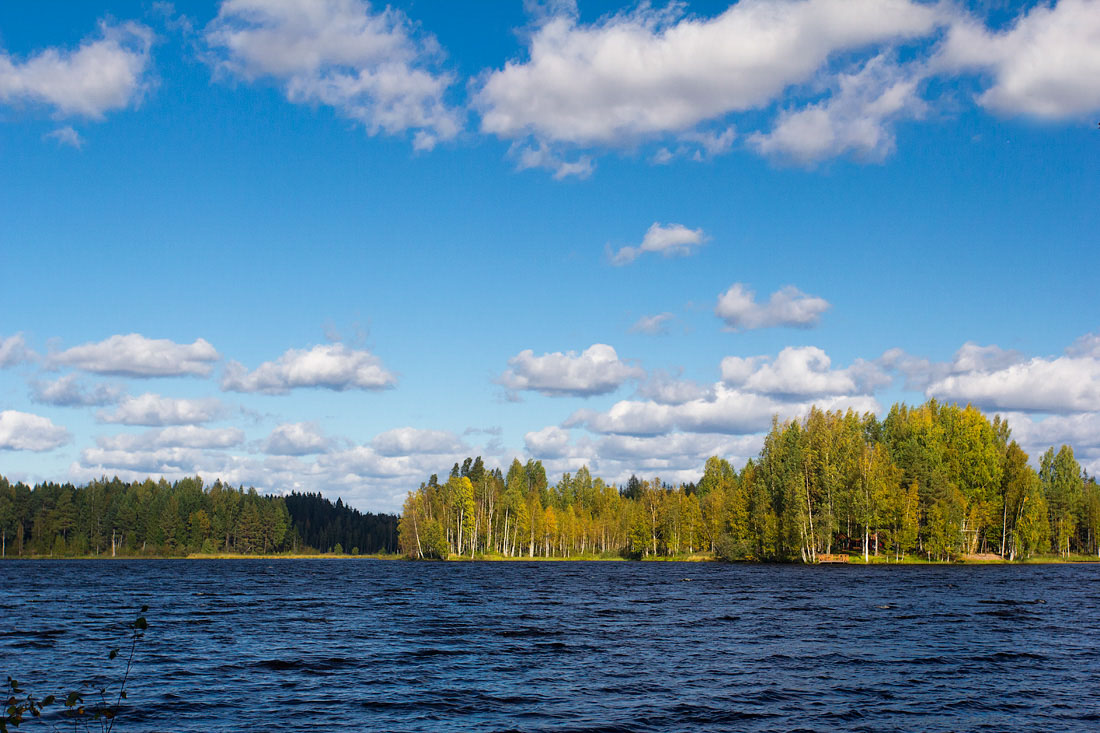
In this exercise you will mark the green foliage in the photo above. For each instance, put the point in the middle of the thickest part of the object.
(112, 518)
(934, 481)
(433, 541)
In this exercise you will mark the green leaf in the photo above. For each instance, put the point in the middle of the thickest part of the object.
(48, 700)
(144, 609)
(113, 654)
(141, 623)
(73, 699)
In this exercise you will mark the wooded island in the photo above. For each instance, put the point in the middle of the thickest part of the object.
(936, 482)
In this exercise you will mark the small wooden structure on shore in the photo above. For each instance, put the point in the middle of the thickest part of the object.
(823, 559)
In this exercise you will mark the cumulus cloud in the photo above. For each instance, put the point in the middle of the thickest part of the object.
(597, 370)
(182, 436)
(1045, 65)
(296, 439)
(1082, 431)
(666, 389)
(655, 71)
(729, 411)
(13, 351)
(670, 240)
(154, 410)
(920, 372)
(1060, 385)
(800, 372)
(24, 431)
(68, 391)
(134, 355)
(653, 325)
(374, 67)
(550, 442)
(331, 366)
(413, 441)
(174, 462)
(104, 73)
(1005, 380)
(858, 117)
(788, 306)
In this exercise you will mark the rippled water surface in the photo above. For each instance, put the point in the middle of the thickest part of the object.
(378, 645)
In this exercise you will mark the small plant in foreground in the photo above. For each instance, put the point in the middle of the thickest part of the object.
(21, 706)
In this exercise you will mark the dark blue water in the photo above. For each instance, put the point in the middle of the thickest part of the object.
(375, 645)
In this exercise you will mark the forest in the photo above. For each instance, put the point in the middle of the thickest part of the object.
(936, 482)
(932, 482)
(157, 518)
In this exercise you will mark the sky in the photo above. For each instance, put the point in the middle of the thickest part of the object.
(338, 246)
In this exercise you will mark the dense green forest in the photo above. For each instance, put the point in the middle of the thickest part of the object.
(934, 482)
(322, 524)
(111, 517)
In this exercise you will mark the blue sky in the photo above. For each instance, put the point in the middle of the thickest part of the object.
(338, 246)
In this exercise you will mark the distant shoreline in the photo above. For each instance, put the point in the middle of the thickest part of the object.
(853, 560)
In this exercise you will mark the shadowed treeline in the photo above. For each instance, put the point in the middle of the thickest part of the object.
(112, 517)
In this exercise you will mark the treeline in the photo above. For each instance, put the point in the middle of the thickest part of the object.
(337, 527)
(116, 518)
(935, 481)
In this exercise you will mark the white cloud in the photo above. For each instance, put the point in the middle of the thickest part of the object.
(68, 391)
(413, 441)
(542, 156)
(134, 355)
(788, 306)
(1086, 346)
(1059, 385)
(1045, 65)
(753, 390)
(182, 436)
(670, 240)
(104, 74)
(654, 71)
(801, 372)
(683, 450)
(176, 462)
(23, 431)
(1002, 379)
(550, 442)
(597, 370)
(66, 136)
(856, 118)
(154, 410)
(14, 351)
(665, 389)
(974, 357)
(373, 67)
(653, 325)
(296, 439)
(331, 366)
(730, 411)
(359, 474)
(1081, 431)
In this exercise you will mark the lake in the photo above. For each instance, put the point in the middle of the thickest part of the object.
(565, 646)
